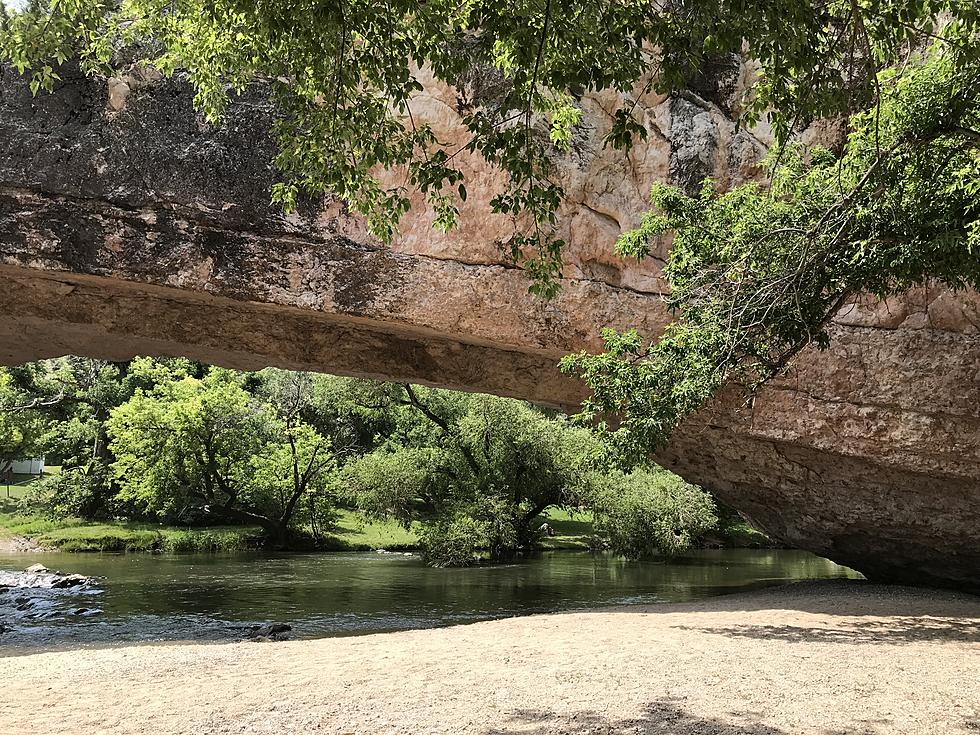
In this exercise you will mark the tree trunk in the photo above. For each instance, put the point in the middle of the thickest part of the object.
(275, 531)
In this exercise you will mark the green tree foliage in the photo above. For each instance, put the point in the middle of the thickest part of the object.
(355, 414)
(650, 512)
(472, 466)
(206, 445)
(345, 74)
(171, 440)
(476, 473)
(72, 398)
(20, 427)
(85, 492)
(757, 273)
(64, 402)
(298, 466)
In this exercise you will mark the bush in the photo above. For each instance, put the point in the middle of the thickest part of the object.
(388, 484)
(206, 542)
(453, 542)
(109, 543)
(76, 493)
(180, 542)
(645, 513)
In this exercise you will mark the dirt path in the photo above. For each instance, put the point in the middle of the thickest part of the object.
(20, 545)
(829, 659)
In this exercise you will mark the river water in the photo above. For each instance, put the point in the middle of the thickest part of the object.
(145, 597)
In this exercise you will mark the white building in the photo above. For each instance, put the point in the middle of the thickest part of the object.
(33, 466)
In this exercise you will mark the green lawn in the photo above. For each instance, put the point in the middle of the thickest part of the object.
(22, 482)
(573, 529)
(75, 534)
(356, 532)
(353, 532)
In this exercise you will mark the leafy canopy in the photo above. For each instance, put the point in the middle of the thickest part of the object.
(757, 273)
(172, 440)
(472, 467)
(345, 74)
(20, 431)
(474, 473)
(650, 512)
(206, 444)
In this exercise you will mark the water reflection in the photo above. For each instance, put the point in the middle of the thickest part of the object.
(190, 597)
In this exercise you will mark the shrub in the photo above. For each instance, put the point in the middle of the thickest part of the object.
(178, 542)
(206, 541)
(645, 513)
(84, 493)
(453, 542)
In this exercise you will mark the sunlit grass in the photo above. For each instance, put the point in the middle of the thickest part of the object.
(573, 529)
(355, 532)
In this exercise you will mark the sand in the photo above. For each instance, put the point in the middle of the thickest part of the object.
(829, 658)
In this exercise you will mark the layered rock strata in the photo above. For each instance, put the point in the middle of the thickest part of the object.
(128, 226)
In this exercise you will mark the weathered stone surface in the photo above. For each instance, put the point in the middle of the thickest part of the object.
(127, 226)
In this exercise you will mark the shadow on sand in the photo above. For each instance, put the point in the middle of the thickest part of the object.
(894, 630)
(662, 717)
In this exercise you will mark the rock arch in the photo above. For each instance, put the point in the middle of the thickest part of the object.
(133, 228)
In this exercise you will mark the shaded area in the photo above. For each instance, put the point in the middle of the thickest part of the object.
(665, 717)
(894, 630)
(662, 717)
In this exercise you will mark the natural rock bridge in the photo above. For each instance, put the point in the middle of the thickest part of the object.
(127, 227)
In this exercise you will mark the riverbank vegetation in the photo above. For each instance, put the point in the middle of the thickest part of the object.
(353, 531)
(171, 455)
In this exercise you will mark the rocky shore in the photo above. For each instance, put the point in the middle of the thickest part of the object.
(39, 593)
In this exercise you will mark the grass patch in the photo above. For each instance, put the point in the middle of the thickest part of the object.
(356, 532)
(10, 495)
(573, 529)
(77, 535)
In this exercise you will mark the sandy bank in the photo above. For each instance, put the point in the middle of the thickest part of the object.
(833, 659)
(20, 545)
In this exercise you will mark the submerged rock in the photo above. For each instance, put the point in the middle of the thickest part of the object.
(270, 632)
(86, 612)
(70, 580)
(39, 593)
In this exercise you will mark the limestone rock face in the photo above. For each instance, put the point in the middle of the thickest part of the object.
(128, 226)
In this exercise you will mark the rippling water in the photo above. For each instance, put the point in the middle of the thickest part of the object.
(145, 597)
